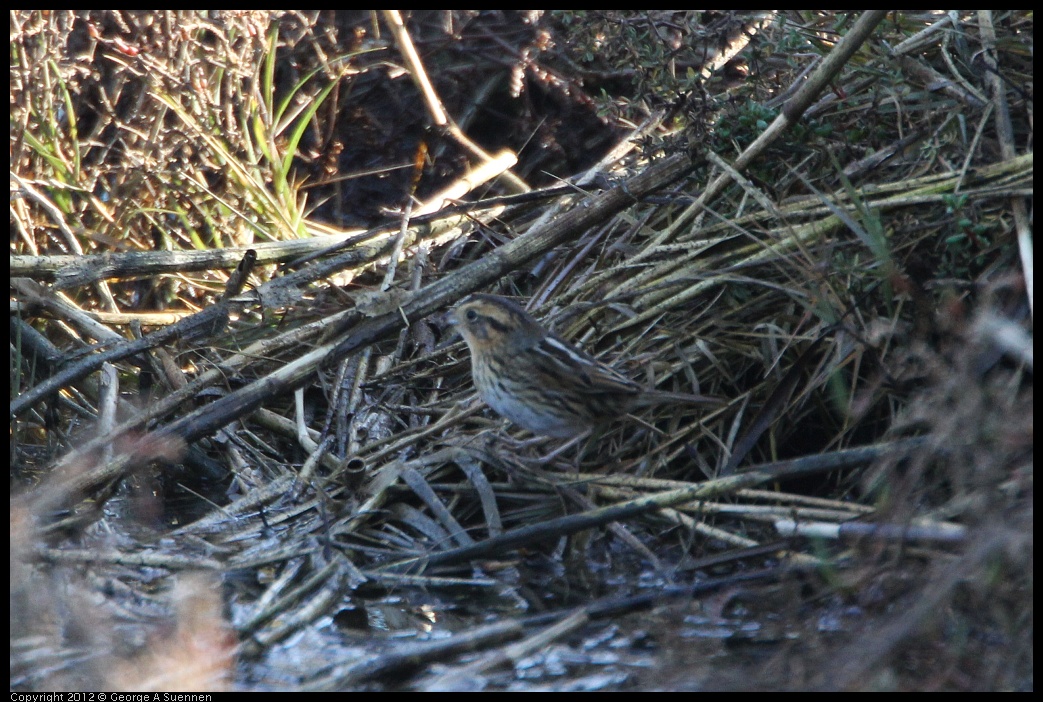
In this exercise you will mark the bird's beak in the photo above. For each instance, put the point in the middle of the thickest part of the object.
(454, 325)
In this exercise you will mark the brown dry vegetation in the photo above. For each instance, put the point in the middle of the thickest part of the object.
(280, 478)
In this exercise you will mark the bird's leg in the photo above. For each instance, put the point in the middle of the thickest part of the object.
(521, 443)
(564, 447)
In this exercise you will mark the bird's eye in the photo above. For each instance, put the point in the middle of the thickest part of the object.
(471, 315)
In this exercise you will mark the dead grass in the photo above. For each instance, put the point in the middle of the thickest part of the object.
(855, 287)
